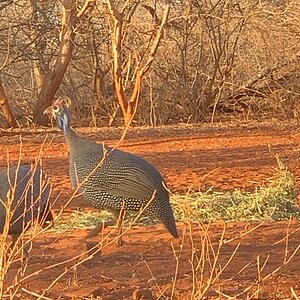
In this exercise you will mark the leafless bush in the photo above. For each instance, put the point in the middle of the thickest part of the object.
(212, 272)
(18, 232)
(215, 58)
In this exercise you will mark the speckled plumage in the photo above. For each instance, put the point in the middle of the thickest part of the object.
(120, 179)
(30, 192)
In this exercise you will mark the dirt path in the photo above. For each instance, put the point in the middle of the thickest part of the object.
(190, 158)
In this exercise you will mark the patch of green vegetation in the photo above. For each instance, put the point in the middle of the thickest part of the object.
(274, 201)
(81, 220)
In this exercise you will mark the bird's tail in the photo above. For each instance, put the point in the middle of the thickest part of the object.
(167, 218)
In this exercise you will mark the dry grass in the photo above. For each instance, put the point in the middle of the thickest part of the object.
(18, 249)
(275, 201)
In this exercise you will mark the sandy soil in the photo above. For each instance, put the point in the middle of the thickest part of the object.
(151, 264)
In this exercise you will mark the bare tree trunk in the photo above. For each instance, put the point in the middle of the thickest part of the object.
(129, 104)
(53, 79)
(8, 115)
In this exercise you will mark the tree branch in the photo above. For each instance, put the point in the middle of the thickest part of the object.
(147, 65)
(84, 8)
(9, 116)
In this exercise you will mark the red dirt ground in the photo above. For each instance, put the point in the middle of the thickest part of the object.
(190, 158)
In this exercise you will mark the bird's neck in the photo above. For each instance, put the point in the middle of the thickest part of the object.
(70, 136)
(75, 142)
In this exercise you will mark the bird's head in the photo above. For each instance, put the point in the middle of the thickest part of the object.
(59, 110)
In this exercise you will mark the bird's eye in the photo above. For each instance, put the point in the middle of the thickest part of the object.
(55, 108)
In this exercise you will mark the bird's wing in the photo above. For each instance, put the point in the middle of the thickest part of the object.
(129, 176)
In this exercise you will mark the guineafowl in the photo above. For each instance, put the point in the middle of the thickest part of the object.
(112, 179)
(24, 192)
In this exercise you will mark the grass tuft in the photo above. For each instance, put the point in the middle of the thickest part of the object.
(275, 201)
(81, 220)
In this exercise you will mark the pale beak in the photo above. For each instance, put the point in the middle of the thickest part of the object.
(48, 111)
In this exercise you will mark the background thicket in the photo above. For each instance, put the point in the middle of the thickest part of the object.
(168, 61)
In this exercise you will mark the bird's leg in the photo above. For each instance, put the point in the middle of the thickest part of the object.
(120, 219)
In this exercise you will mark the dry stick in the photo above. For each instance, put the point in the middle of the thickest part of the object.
(29, 187)
(36, 294)
(177, 257)
(198, 262)
(294, 294)
(91, 252)
(261, 279)
(207, 249)
(284, 239)
(244, 233)
(191, 261)
(214, 272)
(240, 271)
(287, 238)
(116, 281)
(119, 223)
(226, 296)
(30, 184)
(60, 264)
(286, 260)
(4, 262)
(34, 232)
(259, 270)
(152, 276)
(16, 251)
(89, 257)
(84, 8)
